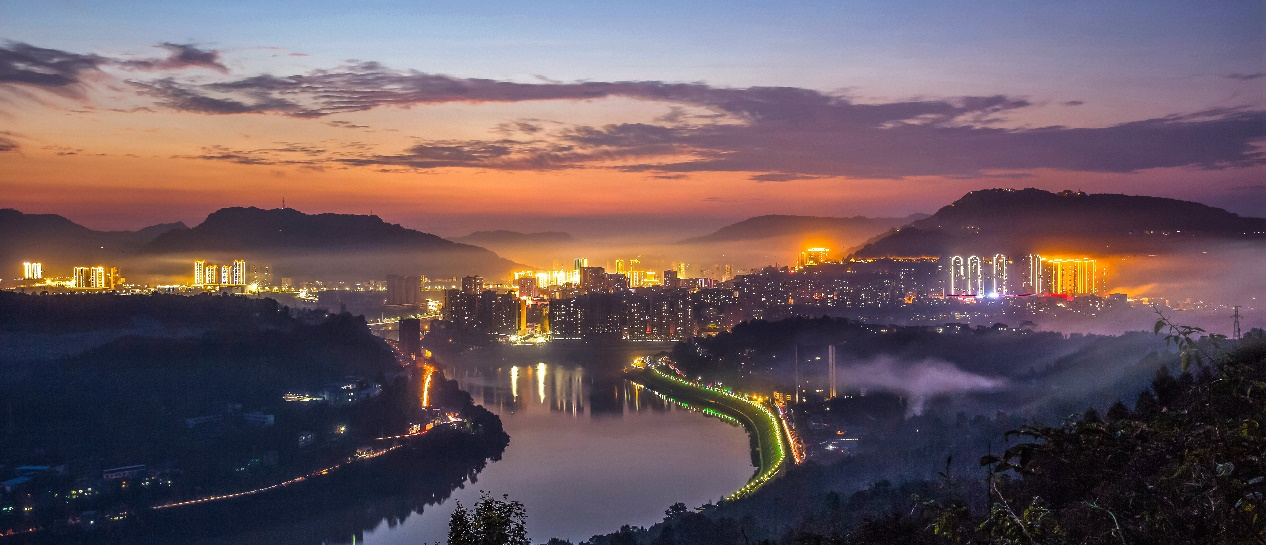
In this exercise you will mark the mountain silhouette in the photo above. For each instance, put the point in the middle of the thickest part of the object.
(60, 243)
(1036, 221)
(856, 228)
(325, 246)
(504, 238)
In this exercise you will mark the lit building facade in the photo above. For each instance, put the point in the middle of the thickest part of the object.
(91, 278)
(973, 276)
(212, 275)
(32, 270)
(1062, 276)
(1073, 276)
(813, 256)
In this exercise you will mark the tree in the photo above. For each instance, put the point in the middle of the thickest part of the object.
(492, 522)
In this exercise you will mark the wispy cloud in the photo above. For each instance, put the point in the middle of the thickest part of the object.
(8, 144)
(179, 57)
(62, 72)
(777, 134)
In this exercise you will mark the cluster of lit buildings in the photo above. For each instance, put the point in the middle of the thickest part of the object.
(588, 302)
(97, 277)
(211, 275)
(975, 276)
(991, 276)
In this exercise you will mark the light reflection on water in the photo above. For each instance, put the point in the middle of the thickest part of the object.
(587, 451)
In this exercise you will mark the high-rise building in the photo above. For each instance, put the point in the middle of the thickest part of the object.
(670, 279)
(32, 271)
(411, 336)
(975, 277)
(1061, 276)
(593, 279)
(814, 256)
(1073, 276)
(211, 274)
(528, 286)
(998, 275)
(404, 290)
(238, 275)
(579, 263)
(619, 266)
(90, 278)
(958, 284)
(472, 285)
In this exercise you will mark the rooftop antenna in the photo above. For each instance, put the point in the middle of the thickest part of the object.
(283, 203)
(1235, 331)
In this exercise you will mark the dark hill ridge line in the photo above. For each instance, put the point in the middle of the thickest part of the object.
(60, 242)
(1028, 220)
(327, 245)
(15, 222)
(504, 237)
(775, 225)
(238, 228)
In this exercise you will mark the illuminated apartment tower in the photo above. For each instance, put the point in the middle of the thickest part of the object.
(237, 276)
(619, 267)
(90, 278)
(199, 273)
(1038, 279)
(528, 286)
(975, 281)
(472, 285)
(579, 263)
(32, 271)
(670, 279)
(1072, 276)
(957, 277)
(998, 276)
(814, 256)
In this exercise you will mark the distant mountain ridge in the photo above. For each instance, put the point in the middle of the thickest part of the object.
(299, 245)
(771, 226)
(1033, 220)
(333, 245)
(59, 242)
(505, 237)
(238, 228)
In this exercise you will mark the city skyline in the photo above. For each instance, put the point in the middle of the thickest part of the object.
(452, 120)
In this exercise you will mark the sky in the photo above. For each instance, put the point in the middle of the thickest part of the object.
(620, 116)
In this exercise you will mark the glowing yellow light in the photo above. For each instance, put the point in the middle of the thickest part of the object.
(540, 381)
(426, 390)
(514, 382)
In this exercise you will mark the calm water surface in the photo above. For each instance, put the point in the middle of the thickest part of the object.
(588, 452)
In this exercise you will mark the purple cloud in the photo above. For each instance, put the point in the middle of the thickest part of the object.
(179, 57)
(8, 144)
(50, 69)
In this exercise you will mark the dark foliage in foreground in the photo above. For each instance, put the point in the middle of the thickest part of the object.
(1185, 465)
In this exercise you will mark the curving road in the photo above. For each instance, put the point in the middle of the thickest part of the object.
(757, 419)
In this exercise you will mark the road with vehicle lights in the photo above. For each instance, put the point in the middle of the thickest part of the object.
(758, 419)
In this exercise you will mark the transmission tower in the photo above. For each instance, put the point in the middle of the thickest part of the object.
(1235, 331)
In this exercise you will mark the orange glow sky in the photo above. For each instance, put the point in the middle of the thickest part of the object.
(508, 129)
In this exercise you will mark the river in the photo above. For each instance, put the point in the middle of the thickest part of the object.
(587, 452)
